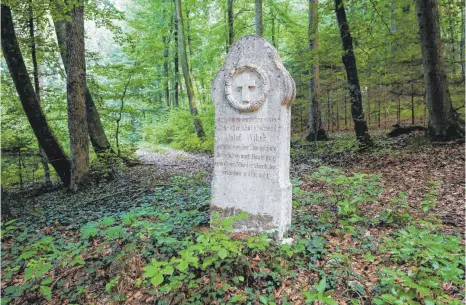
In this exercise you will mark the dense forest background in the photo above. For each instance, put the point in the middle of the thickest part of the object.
(134, 69)
(108, 141)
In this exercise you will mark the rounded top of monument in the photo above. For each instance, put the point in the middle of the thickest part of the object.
(252, 75)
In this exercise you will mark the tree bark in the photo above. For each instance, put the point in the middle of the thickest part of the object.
(176, 77)
(258, 18)
(461, 48)
(231, 32)
(76, 97)
(27, 96)
(444, 123)
(43, 157)
(368, 108)
(185, 67)
(274, 42)
(338, 115)
(346, 117)
(379, 101)
(316, 130)
(165, 42)
(412, 104)
(349, 60)
(398, 111)
(97, 135)
(122, 105)
(329, 115)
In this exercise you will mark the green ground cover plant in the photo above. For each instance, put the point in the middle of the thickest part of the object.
(163, 249)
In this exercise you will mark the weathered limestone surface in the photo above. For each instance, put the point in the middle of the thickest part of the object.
(252, 95)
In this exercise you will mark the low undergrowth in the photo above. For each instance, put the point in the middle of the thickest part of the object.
(164, 251)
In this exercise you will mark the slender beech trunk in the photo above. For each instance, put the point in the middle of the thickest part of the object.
(27, 96)
(231, 32)
(97, 135)
(338, 116)
(398, 111)
(76, 96)
(461, 48)
(165, 42)
(329, 119)
(122, 105)
(349, 60)
(379, 102)
(444, 122)
(385, 121)
(412, 104)
(176, 76)
(316, 130)
(43, 157)
(258, 18)
(20, 167)
(368, 108)
(274, 42)
(189, 39)
(346, 116)
(185, 67)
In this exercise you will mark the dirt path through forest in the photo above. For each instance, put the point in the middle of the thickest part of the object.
(176, 161)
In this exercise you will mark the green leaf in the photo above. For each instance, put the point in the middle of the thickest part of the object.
(183, 265)
(157, 279)
(150, 271)
(238, 298)
(89, 231)
(310, 297)
(329, 301)
(168, 270)
(322, 284)
(429, 301)
(27, 254)
(46, 292)
(263, 299)
(107, 221)
(222, 253)
(114, 232)
(46, 281)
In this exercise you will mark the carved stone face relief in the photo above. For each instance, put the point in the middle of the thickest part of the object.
(246, 88)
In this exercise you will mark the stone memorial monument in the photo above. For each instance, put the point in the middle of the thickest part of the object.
(252, 95)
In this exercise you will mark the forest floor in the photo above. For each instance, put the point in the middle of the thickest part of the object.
(95, 246)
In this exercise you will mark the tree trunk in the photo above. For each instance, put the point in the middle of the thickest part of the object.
(379, 102)
(231, 33)
(412, 105)
(461, 48)
(122, 105)
(97, 135)
(346, 120)
(258, 18)
(76, 96)
(349, 60)
(43, 157)
(398, 112)
(385, 121)
(368, 108)
(329, 120)
(444, 123)
(165, 43)
(338, 116)
(176, 77)
(316, 130)
(27, 96)
(274, 42)
(187, 77)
